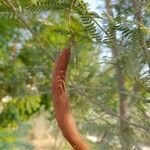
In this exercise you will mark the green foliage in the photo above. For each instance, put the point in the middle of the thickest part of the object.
(90, 27)
(31, 104)
(9, 116)
(14, 139)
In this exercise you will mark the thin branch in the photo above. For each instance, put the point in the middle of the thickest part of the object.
(110, 112)
(100, 26)
(9, 2)
(69, 20)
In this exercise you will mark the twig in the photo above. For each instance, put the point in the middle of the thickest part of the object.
(69, 21)
(111, 113)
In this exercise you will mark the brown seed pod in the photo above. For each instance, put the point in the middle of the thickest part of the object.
(63, 114)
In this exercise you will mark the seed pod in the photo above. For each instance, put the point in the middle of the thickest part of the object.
(63, 114)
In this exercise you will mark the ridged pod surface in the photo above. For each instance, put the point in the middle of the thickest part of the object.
(63, 114)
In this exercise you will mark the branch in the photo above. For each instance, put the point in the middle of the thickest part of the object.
(110, 112)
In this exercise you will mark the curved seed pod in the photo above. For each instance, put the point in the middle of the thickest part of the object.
(63, 114)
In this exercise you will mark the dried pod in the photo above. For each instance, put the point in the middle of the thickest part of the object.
(63, 114)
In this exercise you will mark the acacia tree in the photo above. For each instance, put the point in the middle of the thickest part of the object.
(110, 93)
(116, 46)
(119, 78)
